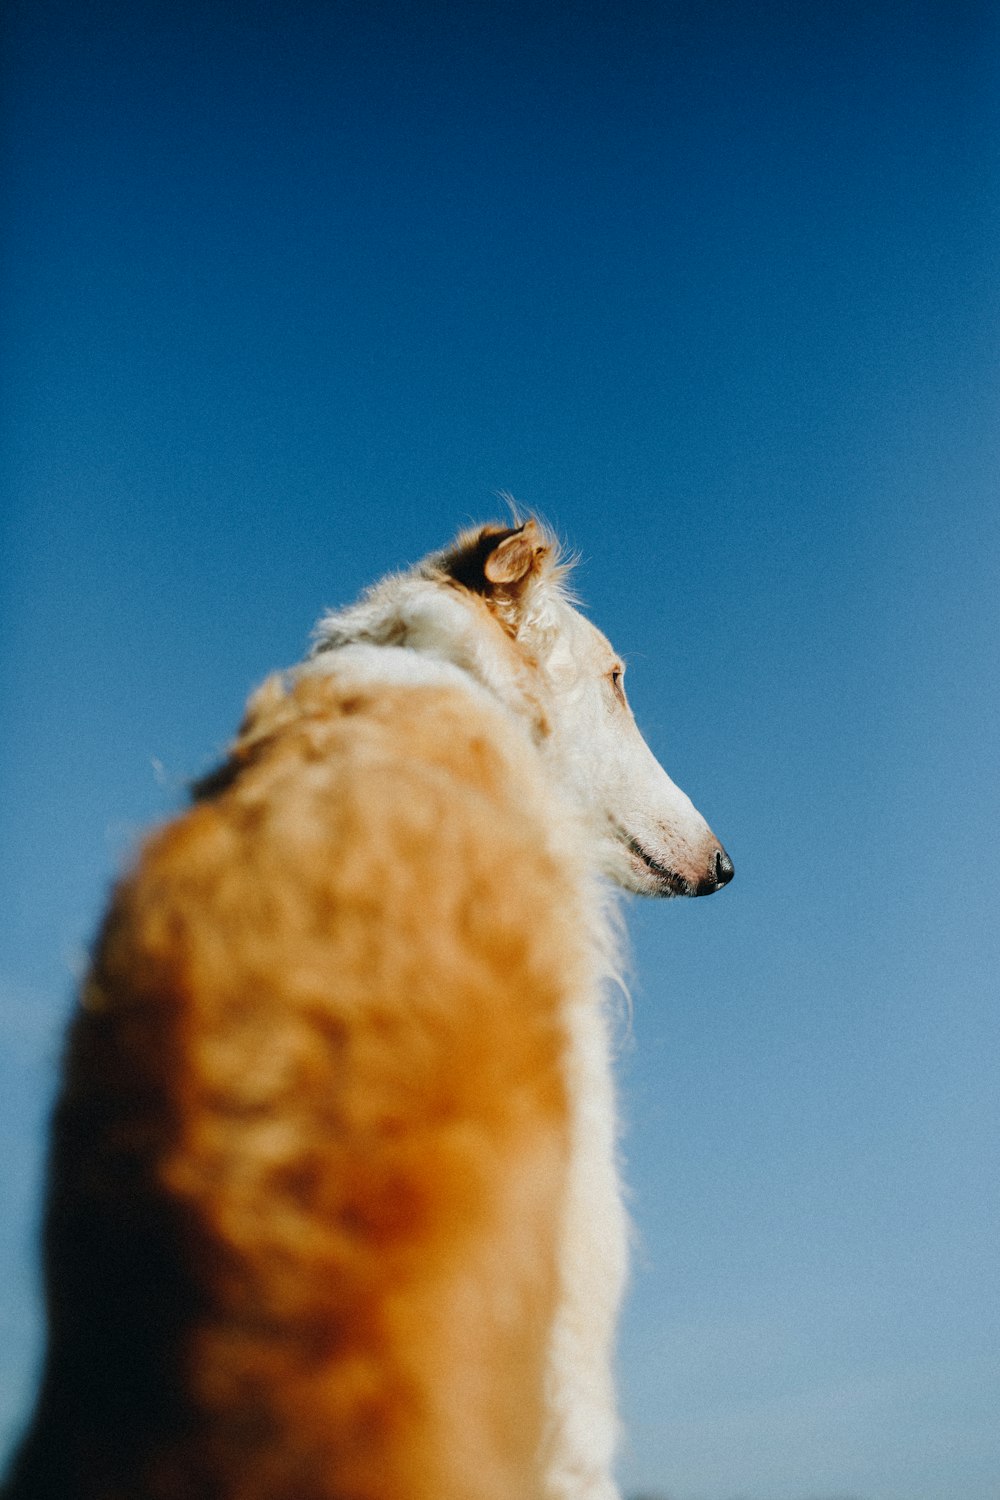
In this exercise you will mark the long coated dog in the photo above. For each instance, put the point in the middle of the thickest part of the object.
(333, 1209)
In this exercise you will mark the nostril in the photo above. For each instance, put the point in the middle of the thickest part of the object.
(721, 874)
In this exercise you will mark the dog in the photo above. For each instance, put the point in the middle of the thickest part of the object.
(334, 1209)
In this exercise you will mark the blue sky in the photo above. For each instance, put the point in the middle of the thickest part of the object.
(290, 293)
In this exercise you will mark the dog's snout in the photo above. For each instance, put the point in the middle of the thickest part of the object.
(722, 874)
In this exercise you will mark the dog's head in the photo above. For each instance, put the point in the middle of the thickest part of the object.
(653, 840)
(496, 604)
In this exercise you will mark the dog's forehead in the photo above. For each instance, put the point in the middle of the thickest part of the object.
(581, 641)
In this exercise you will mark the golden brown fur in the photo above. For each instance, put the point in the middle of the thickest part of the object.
(301, 1239)
(334, 1210)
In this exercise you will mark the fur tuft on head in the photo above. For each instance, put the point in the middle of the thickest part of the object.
(504, 565)
(517, 572)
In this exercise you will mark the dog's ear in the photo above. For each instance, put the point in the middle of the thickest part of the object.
(515, 557)
(498, 561)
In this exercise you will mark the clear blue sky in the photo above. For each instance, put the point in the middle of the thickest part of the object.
(290, 290)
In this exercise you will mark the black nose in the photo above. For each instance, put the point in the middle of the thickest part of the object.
(722, 874)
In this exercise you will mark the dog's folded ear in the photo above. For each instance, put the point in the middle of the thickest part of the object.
(497, 559)
(515, 557)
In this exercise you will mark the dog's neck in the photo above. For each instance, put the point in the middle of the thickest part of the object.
(420, 627)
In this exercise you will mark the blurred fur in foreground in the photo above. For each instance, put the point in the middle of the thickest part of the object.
(333, 1208)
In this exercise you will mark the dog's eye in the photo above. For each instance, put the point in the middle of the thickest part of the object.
(615, 677)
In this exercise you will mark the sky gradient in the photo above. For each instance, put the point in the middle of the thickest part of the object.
(290, 293)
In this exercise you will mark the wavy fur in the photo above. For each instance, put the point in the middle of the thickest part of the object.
(334, 1211)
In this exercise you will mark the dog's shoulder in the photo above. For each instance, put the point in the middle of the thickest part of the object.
(412, 807)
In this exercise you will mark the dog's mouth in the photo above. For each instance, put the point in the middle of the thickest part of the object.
(646, 864)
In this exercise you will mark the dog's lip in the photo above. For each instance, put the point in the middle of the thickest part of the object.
(649, 864)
